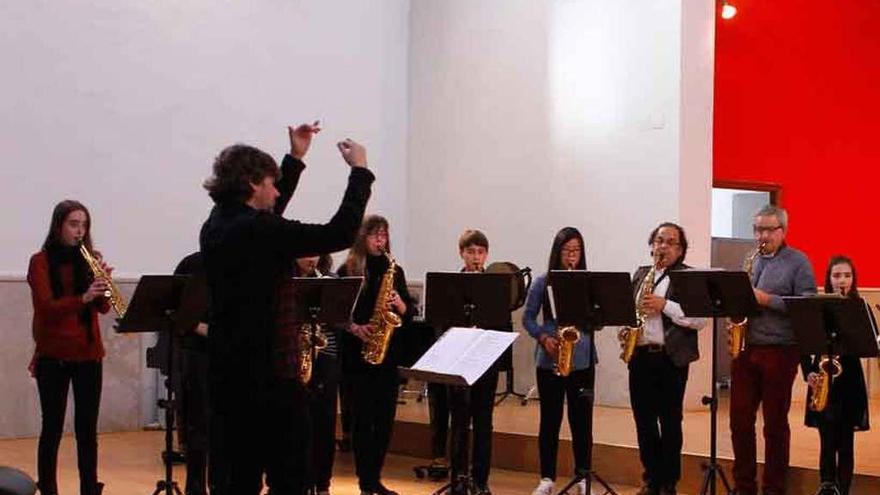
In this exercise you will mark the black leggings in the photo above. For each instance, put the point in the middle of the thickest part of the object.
(53, 381)
(836, 454)
(553, 390)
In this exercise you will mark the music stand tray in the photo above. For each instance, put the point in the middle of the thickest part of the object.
(833, 325)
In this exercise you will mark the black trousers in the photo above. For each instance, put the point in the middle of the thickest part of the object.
(836, 454)
(374, 404)
(260, 429)
(194, 406)
(54, 378)
(656, 390)
(577, 388)
(322, 410)
(345, 399)
(438, 411)
(476, 404)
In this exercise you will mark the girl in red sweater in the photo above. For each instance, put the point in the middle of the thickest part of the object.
(67, 299)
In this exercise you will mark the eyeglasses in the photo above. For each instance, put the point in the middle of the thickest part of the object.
(669, 242)
(571, 251)
(765, 230)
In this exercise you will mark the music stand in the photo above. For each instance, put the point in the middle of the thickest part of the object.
(165, 303)
(322, 301)
(832, 326)
(589, 301)
(465, 300)
(714, 294)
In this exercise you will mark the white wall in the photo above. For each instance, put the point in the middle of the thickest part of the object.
(529, 116)
(124, 105)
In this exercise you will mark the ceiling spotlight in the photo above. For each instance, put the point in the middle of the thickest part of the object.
(727, 10)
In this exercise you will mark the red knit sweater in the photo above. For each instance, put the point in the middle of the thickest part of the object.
(58, 331)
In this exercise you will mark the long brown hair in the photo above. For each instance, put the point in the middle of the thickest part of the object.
(59, 215)
(355, 264)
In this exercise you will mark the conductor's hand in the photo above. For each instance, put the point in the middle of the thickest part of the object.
(551, 346)
(652, 304)
(301, 138)
(362, 332)
(94, 291)
(353, 153)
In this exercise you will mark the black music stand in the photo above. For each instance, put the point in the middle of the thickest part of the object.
(464, 300)
(833, 325)
(714, 294)
(590, 301)
(165, 303)
(324, 301)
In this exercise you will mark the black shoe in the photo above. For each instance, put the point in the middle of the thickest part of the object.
(648, 490)
(383, 490)
(828, 488)
(483, 490)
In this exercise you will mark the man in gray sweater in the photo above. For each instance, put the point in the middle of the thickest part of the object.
(763, 374)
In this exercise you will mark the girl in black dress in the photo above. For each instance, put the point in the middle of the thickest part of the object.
(847, 410)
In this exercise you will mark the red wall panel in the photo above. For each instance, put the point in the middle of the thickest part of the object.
(797, 100)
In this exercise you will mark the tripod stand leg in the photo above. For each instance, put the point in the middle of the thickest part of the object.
(724, 482)
(605, 485)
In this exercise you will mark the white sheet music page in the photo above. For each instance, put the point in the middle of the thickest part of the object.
(465, 352)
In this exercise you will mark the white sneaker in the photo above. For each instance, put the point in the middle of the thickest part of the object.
(545, 487)
(582, 488)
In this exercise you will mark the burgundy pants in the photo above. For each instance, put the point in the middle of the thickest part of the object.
(762, 376)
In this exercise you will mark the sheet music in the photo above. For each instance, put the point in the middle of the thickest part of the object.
(465, 352)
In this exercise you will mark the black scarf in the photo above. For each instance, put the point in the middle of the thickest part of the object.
(60, 255)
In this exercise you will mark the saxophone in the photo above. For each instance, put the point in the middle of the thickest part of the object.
(311, 340)
(117, 302)
(737, 329)
(629, 336)
(829, 369)
(568, 337)
(384, 320)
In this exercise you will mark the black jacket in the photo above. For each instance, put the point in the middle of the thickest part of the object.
(352, 361)
(247, 253)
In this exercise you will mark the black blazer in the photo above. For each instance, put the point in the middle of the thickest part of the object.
(247, 253)
(681, 343)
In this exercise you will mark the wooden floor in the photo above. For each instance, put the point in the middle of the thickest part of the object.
(615, 426)
(129, 464)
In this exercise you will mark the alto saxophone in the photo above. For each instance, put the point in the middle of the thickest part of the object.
(384, 320)
(829, 369)
(568, 338)
(117, 302)
(311, 340)
(737, 329)
(629, 336)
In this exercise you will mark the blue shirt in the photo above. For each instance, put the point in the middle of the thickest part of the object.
(584, 351)
(786, 273)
